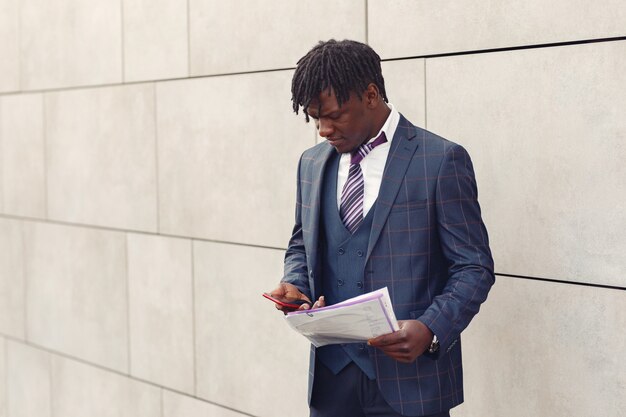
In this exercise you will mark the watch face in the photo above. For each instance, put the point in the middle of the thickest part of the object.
(434, 346)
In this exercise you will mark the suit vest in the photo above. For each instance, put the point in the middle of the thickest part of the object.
(343, 270)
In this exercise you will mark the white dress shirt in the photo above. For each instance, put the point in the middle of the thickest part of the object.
(372, 166)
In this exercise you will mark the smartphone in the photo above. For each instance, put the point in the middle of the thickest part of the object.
(288, 304)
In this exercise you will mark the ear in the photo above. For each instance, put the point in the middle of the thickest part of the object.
(371, 96)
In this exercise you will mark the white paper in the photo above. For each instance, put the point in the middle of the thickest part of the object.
(354, 320)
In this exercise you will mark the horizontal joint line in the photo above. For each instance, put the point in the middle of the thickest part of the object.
(560, 281)
(508, 48)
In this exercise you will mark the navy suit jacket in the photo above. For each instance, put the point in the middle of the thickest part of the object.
(428, 245)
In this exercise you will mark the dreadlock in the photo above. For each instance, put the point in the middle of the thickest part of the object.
(345, 66)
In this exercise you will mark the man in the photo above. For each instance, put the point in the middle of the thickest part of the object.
(382, 203)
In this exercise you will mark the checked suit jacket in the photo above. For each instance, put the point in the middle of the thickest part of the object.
(428, 245)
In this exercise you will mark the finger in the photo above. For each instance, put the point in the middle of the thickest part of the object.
(400, 357)
(319, 303)
(385, 340)
(398, 348)
(304, 306)
(304, 297)
(278, 291)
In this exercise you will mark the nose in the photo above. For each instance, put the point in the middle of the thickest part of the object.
(325, 128)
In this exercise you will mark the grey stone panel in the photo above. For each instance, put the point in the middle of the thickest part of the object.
(546, 349)
(11, 278)
(408, 28)
(247, 356)
(249, 35)
(77, 292)
(176, 405)
(81, 390)
(69, 43)
(29, 392)
(9, 47)
(101, 157)
(546, 131)
(405, 87)
(161, 311)
(155, 39)
(22, 156)
(228, 151)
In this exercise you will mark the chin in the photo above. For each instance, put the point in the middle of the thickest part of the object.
(340, 149)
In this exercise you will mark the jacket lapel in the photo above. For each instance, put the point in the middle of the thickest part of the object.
(403, 147)
(312, 221)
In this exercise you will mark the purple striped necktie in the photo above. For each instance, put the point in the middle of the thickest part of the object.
(351, 207)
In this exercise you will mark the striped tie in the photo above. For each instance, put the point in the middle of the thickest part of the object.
(351, 208)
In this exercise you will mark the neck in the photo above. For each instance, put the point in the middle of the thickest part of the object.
(380, 117)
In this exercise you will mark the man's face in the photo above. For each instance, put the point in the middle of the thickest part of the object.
(346, 127)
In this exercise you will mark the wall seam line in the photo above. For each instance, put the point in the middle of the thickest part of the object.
(5, 358)
(510, 48)
(24, 279)
(560, 281)
(123, 42)
(162, 80)
(2, 100)
(367, 26)
(193, 317)
(425, 97)
(127, 276)
(261, 71)
(188, 40)
(51, 382)
(251, 245)
(20, 58)
(156, 157)
(162, 410)
(139, 232)
(45, 154)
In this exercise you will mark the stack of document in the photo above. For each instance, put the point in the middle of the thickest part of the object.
(355, 320)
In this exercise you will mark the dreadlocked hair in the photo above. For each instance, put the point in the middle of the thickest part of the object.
(345, 66)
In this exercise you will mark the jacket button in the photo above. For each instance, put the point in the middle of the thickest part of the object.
(341, 251)
(339, 282)
(359, 284)
(359, 253)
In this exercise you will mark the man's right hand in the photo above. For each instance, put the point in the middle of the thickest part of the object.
(291, 292)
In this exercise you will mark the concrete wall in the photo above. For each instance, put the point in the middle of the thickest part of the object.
(147, 180)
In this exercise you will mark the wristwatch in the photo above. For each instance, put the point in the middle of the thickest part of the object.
(434, 345)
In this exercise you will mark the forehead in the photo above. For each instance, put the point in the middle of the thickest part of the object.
(326, 102)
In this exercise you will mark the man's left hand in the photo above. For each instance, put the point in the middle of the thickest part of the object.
(406, 344)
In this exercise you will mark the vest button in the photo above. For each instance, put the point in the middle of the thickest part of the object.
(359, 284)
(341, 251)
(340, 282)
(359, 253)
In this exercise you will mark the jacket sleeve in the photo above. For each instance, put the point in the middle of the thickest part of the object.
(465, 245)
(295, 268)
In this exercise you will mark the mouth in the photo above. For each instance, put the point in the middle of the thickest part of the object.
(333, 141)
